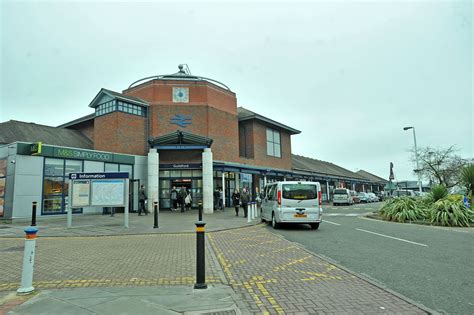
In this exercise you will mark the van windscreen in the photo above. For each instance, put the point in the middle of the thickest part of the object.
(299, 191)
(340, 192)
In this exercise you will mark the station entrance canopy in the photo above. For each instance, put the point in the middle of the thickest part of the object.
(180, 140)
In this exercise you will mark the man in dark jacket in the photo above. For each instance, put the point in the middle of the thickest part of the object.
(174, 199)
(141, 200)
(245, 198)
(182, 196)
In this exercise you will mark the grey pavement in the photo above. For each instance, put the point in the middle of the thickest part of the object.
(98, 267)
(101, 225)
(217, 299)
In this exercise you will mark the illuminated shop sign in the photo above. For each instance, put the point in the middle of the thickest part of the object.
(82, 155)
(181, 166)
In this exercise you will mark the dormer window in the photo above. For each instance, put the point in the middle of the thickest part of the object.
(108, 101)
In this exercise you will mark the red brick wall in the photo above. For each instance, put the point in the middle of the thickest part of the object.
(120, 132)
(246, 143)
(86, 128)
(260, 149)
(200, 93)
(176, 156)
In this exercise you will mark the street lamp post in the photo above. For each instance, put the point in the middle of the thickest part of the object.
(416, 158)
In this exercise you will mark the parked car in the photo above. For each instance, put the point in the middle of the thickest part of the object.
(364, 197)
(292, 202)
(380, 195)
(373, 197)
(355, 197)
(403, 193)
(342, 196)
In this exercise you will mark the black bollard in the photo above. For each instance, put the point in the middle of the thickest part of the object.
(200, 257)
(33, 214)
(155, 214)
(200, 211)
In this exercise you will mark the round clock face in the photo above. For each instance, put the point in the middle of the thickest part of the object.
(180, 95)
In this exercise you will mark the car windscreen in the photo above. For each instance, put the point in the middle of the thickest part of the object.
(299, 191)
(340, 192)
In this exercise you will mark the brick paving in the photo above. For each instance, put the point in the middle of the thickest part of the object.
(275, 276)
(133, 260)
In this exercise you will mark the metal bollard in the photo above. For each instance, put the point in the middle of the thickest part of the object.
(200, 211)
(249, 213)
(33, 214)
(254, 212)
(200, 256)
(28, 262)
(155, 214)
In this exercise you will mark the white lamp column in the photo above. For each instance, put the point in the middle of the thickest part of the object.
(207, 181)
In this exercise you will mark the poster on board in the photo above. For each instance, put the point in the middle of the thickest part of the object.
(108, 192)
(81, 193)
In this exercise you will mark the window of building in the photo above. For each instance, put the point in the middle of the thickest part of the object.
(56, 184)
(273, 143)
(115, 105)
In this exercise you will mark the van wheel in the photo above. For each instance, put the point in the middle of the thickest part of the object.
(275, 224)
(314, 226)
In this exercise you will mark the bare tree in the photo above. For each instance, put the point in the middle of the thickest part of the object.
(442, 166)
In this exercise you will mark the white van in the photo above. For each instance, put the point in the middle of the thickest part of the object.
(292, 202)
(342, 196)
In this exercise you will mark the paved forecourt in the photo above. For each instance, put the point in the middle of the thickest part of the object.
(276, 276)
(132, 260)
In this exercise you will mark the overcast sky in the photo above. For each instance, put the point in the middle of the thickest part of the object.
(349, 75)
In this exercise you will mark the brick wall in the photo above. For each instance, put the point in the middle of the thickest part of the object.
(120, 132)
(86, 128)
(260, 148)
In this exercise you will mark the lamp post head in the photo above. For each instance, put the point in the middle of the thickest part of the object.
(407, 128)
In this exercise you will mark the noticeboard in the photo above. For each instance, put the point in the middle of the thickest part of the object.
(98, 189)
(81, 193)
(108, 192)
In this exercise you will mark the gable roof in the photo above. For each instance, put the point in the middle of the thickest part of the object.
(245, 114)
(13, 131)
(78, 121)
(371, 177)
(117, 95)
(302, 163)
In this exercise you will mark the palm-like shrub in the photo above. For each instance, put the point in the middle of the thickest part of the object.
(402, 209)
(467, 179)
(438, 192)
(450, 212)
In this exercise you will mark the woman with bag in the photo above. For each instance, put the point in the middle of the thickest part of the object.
(188, 200)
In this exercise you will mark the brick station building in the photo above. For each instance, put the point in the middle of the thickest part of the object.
(167, 130)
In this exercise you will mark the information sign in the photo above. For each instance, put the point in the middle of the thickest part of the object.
(81, 193)
(108, 192)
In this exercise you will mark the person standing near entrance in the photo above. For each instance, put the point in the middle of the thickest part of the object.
(141, 199)
(221, 199)
(182, 196)
(245, 198)
(236, 201)
(188, 200)
(174, 199)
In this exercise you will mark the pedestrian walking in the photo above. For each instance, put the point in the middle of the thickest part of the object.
(216, 199)
(188, 201)
(174, 199)
(182, 196)
(236, 201)
(141, 199)
(245, 198)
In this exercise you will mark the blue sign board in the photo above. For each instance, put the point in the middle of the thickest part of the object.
(181, 120)
(98, 175)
